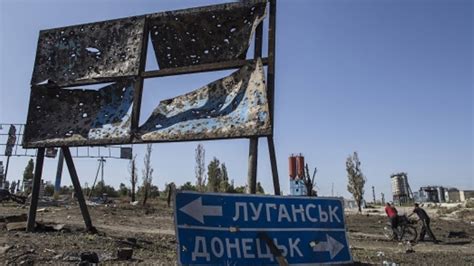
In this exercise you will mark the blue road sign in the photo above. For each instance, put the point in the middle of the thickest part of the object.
(236, 229)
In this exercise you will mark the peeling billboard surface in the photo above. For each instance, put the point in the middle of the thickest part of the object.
(112, 51)
(71, 117)
(234, 106)
(101, 51)
(204, 35)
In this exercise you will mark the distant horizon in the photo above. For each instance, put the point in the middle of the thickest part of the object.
(367, 196)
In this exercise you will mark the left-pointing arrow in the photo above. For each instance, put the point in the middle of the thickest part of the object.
(196, 210)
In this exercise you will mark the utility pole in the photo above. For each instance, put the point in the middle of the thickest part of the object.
(9, 148)
(383, 198)
(373, 193)
(59, 172)
(102, 162)
(332, 189)
(101, 169)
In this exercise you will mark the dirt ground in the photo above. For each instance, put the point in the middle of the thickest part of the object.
(149, 231)
(370, 246)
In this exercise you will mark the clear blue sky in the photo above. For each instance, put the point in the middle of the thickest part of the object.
(392, 80)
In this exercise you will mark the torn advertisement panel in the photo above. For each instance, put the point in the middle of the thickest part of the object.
(101, 51)
(206, 34)
(234, 106)
(77, 117)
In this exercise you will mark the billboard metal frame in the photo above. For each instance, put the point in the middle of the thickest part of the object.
(268, 61)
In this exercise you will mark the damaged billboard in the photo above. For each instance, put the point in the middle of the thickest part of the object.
(112, 54)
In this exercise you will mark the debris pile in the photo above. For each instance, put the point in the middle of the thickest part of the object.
(5, 195)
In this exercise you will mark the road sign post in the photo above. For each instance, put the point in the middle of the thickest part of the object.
(235, 229)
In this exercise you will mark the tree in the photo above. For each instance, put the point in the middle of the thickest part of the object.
(123, 190)
(133, 178)
(28, 173)
(309, 181)
(154, 192)
(231, 187)
(356, 179)
(224, 185)
(214, 175)
(48, 189)
(218, 178)
(66, 190)
(101, 189)
(188, 186)
(200, 168)
(147, 173)
(260, 188)
(238, 189)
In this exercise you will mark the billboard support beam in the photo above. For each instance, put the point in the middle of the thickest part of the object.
(252, 170)
(6, 169)
(30, 226)
(273, 162)
(271, 92)
(253, 145)
(78, 189)
(59, 172)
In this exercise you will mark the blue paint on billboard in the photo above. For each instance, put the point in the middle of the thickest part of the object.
(227, 229)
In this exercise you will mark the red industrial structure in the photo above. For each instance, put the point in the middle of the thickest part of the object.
(292, 166)
(296, 171)
(300, 166)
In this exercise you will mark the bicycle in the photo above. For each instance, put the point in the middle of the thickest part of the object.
(405, 231)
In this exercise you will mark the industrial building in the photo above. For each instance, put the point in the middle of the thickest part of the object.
(401, 190)
(430, 194)
(451, 195)
(403, 194)
(439, 194)
(455, 195)
(296, 173)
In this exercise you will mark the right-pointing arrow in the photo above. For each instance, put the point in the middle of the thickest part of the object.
(331, 245)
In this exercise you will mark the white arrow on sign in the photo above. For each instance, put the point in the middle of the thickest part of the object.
(196, 210)
(331, 245)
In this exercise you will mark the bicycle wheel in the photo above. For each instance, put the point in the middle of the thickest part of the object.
(388, 232)
(409, 233)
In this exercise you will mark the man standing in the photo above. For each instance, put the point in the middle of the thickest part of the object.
(392, 216)
(425, 219)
